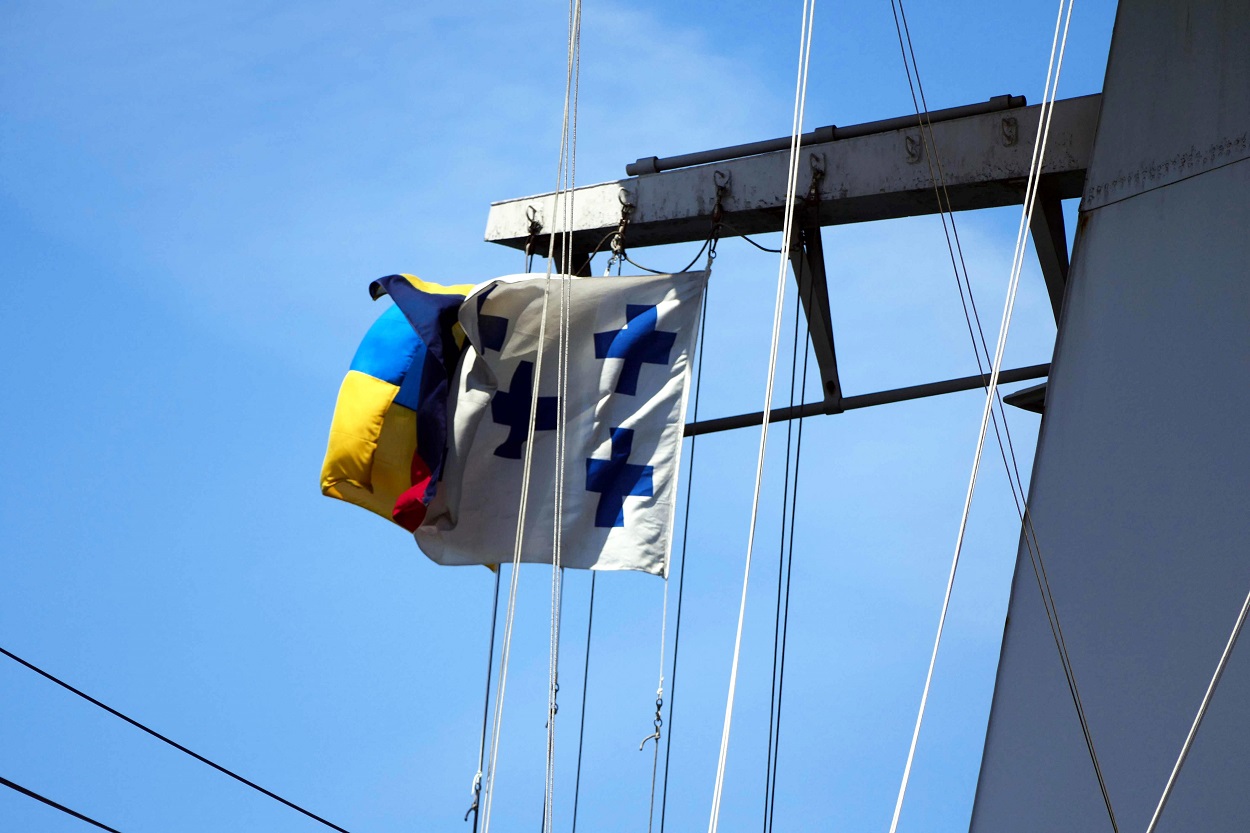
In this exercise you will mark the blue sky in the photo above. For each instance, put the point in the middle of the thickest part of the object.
(193, 199)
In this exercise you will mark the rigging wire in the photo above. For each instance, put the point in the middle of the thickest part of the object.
(581, 731)
(781, 563)
(1015, 481)
(490, 664)
(976, 332)
(572, 88)
(658, 721)
(32, 794)
(800, 99)
(785, 617)
(743, 236)
(173, 743)
(1049, 94)
(681, 573)
(1202, 711)
(566, 172)
(554, 706)
(963, 284)
(785, 559)
(686, 268)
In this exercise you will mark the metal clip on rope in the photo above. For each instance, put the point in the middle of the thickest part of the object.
(477, 793)
(554, 708)
(618, 238)
(658, 722)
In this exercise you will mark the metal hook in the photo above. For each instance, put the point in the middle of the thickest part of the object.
(721, 180)
(658, 722)
(914, 147)
(817, 163)
(477, 792)
(535, 226)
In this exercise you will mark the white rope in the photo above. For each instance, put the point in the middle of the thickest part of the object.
(1202, 712)
(659, 706)
(505, 651)
(526, 470)
(663, 636)
(1058, 45)
(800, 100)
(565, 188)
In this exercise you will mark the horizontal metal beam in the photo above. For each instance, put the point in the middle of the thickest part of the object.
(866, 400)
(985, 160)
(832, 133)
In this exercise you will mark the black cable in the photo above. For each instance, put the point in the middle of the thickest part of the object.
(681, 573)
(172, 743)
(490, 664)
(598, 248)
(693, 261)
(785, 562)
(769, 768)
(737, 233)
(32, 794)
(785, 618)
(581, 732)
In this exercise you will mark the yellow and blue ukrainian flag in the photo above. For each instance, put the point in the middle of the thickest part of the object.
(388, 436)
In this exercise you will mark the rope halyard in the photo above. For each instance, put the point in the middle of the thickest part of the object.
(567, 179)
(800, 99)
(658, 721)
(481, 751)
(581, 732)
(681, 573)
(566, 170)
(1043, 131)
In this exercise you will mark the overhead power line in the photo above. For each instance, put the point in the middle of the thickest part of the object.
(32, 794)
(164, 739)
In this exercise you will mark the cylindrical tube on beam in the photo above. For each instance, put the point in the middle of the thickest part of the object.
(654, 164)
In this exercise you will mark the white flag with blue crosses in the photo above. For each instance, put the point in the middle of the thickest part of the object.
(630, 341)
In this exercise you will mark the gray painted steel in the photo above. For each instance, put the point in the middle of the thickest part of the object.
(985, 159)
(874, 174)
(1141, 488)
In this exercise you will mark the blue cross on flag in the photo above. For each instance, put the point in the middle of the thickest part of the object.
(630, 340)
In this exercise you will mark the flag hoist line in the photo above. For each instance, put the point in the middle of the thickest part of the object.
(800, 100)
(565, 181)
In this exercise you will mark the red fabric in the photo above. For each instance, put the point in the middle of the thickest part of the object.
(410, 507)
